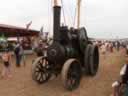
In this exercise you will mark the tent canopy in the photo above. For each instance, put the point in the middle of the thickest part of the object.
(14, 31)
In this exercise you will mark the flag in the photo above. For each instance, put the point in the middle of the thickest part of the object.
(28, 25)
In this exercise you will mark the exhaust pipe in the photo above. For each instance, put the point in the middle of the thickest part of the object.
(56, 23)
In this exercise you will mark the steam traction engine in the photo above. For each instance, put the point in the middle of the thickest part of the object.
(70, 54)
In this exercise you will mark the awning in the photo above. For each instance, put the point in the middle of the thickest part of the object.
(13, 31)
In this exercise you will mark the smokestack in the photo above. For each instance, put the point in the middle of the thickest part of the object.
(56, 23)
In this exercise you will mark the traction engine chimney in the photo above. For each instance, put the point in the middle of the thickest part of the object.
(56, 22)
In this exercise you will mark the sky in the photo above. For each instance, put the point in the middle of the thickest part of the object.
(101, 18)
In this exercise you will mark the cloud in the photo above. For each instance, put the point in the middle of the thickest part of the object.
(102, 18)
(105, 18)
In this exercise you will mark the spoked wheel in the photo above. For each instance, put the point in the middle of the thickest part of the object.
(71, 74)
(41, 70)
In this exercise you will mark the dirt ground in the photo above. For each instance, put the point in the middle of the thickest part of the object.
(21, 84)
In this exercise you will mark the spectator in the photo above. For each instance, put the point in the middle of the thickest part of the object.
(122, 82)
(39, 49)
(6, 57)
(126, 49)
(117, 44)
(18, 53)
(111, 47)
(103, 49)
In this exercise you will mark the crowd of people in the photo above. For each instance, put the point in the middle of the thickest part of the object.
(109, 46)
(18, 50)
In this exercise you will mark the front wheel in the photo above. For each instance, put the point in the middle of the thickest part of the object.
(41, 70)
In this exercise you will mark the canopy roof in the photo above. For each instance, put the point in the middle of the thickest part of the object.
(14, 31)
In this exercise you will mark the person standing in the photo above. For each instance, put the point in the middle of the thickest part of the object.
(103, 49)
(110, 47)
(18, 53)
(126, 48)
(6, 57)
(122, 82)
(39, 49)
(118, 45)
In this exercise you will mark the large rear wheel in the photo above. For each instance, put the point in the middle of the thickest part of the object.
(91, 59)
(71, 74)
(86, 59)
(94, 60)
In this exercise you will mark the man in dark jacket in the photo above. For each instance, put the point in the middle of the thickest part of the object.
(18, 53)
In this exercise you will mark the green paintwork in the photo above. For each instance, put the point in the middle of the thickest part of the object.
(126, 91)
(82, 45)
(71, 52)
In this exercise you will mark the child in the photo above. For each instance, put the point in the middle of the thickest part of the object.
(6, 57)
